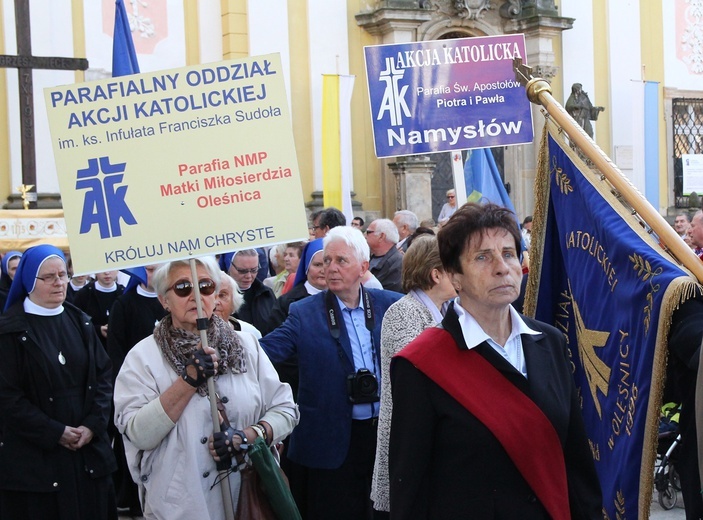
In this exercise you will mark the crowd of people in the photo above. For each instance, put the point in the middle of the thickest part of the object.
(364, 357)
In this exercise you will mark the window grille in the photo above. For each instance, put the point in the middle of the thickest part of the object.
(687, 122)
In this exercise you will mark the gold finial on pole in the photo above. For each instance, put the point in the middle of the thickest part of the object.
(539, 92)
(24, 189)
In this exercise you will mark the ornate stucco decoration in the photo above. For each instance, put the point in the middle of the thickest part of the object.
(466, 9)
(511, 9)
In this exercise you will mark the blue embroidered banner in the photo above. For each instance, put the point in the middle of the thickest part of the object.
(610, 288)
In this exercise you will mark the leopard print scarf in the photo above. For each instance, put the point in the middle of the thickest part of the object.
(177, 345)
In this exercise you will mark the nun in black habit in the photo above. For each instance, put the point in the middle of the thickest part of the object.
(55, 393)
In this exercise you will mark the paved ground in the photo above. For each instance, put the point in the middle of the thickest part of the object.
(657, 513)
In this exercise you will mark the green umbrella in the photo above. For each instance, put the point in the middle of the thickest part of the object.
(273, 481)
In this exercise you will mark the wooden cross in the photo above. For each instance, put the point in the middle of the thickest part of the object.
(24, 62)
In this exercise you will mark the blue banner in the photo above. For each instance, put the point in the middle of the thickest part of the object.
(483, 182)
(124, 57)
(604, 282)
(434, 96)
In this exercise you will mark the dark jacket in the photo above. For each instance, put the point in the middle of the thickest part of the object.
(258, 302)
(445, 463)
(97, 305)
(389, 270)
(322, 438)
(280, 309)
(29, 436)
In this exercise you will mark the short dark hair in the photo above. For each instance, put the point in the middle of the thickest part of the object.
(527, 220)
(315, 214)
(361, 221)
(469, 221)
(331, 218)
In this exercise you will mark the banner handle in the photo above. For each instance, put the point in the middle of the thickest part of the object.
(539, 92)
(222, 475)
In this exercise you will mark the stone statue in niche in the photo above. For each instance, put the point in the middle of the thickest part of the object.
(579, 106)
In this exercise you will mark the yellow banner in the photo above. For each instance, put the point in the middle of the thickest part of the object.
(176, 164)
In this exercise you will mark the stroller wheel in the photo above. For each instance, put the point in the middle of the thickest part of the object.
(668, 498)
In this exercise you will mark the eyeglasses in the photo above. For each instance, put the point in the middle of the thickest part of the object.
(184, 288)
(313, 228)
(370, 231)
(253, 270)
(53, 278)
(450, 196)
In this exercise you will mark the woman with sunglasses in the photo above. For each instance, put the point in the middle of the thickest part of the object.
(162, 405)
(55, 392)
(448, 209)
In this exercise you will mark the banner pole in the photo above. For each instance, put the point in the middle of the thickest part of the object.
(539, 92)
(222, 475)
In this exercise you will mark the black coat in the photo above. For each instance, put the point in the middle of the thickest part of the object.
(29, 437)
(132, 318)
(97, 305)
(258, 302)
(445, 463)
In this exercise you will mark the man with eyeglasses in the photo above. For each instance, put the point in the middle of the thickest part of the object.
(324, 220)
(386, 261)
(336, 337)
(258, 299)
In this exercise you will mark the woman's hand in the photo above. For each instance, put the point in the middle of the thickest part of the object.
(201, 365)
(85, 438)
(224, 444)
(70, 437)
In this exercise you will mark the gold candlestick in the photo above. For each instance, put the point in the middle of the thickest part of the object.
(24, 189)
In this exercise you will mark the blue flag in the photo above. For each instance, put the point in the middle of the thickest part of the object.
(124, 58)
(483, 182)
(609, 287)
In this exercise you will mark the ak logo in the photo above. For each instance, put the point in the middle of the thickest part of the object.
(393, 101)
(597, 372)
(104, 204)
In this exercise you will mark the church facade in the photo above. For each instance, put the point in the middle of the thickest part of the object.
(647, 76)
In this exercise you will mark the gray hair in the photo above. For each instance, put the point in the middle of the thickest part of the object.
(353, 238)
(386, 226)
(237, 296)
(407, 218)
(160, 279)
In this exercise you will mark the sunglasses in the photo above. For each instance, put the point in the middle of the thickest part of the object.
(184, 288)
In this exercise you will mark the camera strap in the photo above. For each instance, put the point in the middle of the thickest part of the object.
(333, 314)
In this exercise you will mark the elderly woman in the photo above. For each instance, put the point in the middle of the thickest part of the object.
(448, 209)
(55, 392)
(228, 301)
(428, 288)
(162, 403)
(486, 417)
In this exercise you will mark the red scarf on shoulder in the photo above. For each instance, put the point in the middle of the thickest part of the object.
(477, 385)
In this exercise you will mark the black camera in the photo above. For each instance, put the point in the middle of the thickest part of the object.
(362, 387)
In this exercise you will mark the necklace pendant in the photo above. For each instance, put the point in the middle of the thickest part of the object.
(62, 359)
